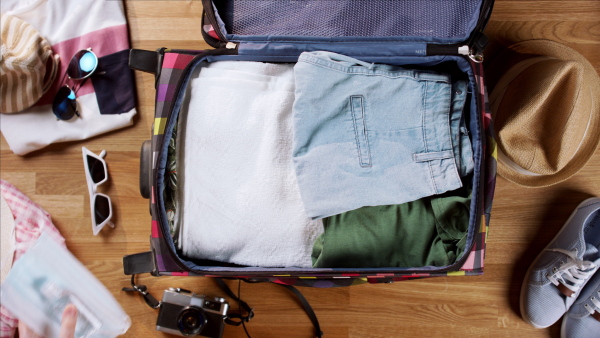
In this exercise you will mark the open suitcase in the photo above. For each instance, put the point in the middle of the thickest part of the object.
(431, 36)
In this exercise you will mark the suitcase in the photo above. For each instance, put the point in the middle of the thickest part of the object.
(393, 32)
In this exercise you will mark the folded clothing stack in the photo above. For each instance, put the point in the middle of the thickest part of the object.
(241, 202)
(380, 152)
(372, 134)
(431, 231)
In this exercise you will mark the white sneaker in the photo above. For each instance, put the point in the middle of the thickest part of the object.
(583, 318)
(562, 269)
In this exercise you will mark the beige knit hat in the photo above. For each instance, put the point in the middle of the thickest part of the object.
(27, 66)
(545, 101)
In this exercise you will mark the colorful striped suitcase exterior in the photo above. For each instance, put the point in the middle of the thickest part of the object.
(171, 68)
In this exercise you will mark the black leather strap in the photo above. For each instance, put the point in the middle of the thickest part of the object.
(144, 60)
(305, 305)
(142, 262)
(143, 290)
(234, 318)
(307, 308)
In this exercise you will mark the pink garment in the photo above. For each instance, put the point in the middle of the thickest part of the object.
(30, 221)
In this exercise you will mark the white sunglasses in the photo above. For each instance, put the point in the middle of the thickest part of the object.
(96, 174)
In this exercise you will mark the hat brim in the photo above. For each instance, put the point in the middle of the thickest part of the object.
(513, 55)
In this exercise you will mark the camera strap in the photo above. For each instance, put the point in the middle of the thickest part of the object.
(305, 304)
(307, 308)
(150, 300)
(234, 319)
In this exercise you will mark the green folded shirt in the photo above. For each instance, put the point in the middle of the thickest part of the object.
(428, 232)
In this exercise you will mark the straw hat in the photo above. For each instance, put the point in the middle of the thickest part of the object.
(27, 65)
(545, 101)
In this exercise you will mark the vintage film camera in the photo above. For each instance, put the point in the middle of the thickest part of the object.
(184, 313)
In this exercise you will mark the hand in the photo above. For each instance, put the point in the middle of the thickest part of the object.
(67, 326)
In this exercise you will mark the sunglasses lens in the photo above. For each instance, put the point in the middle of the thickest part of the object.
(82, 64)
(101, 209)
(64, 105)
(96, 169)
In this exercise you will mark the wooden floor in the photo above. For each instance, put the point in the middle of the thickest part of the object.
(523, 220)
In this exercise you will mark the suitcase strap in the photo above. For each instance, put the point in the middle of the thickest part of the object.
(145, 61)
(138, 263)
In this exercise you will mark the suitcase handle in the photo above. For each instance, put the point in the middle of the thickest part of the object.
(146, 169)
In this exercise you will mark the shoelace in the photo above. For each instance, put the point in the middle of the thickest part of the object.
(573, 273)
(596, 303)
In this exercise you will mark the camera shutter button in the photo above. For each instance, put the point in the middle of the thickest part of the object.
(220, 299)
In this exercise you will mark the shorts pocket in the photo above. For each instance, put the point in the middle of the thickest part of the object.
(357, 107)
(466, 152)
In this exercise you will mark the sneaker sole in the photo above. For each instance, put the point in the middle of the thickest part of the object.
(563, 328)
(583, 204)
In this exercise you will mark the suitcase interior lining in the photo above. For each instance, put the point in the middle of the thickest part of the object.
(456, 66)
(421, 20)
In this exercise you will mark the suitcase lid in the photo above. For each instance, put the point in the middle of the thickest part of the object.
(352, 27)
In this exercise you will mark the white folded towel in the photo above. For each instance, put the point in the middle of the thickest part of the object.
(241, 202)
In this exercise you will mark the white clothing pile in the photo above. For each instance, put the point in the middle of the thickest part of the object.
(69, 25)
(241, 201)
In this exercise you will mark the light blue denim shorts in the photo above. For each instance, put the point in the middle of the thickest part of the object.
(372, 134)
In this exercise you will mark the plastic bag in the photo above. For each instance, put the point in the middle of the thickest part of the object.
(46, 279)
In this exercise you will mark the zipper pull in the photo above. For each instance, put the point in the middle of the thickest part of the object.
(230, 45)
(478, 44)
(463, 50)
(477, 57)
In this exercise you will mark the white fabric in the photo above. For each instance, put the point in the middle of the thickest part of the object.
(43, 128)
(59, 21)
(241, 202)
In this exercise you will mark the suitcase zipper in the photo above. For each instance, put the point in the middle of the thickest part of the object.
(473, 47)
(478, 41)
(207, 6)
(475, 44)
(476, 55)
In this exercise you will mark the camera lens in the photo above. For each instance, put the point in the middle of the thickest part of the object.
(190, 321)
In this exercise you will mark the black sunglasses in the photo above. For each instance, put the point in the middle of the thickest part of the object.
(82, 65)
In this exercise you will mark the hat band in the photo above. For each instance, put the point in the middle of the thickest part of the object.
(508, 162)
